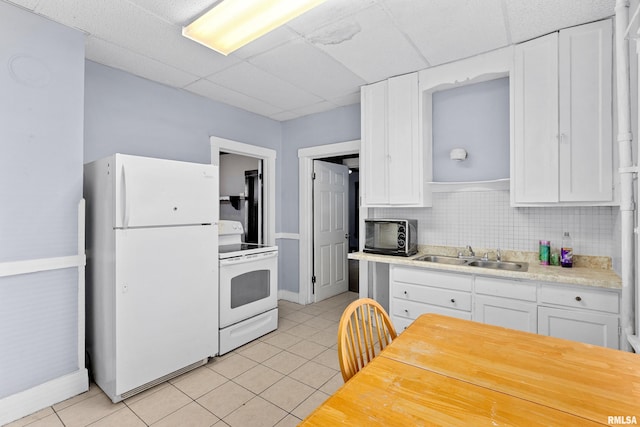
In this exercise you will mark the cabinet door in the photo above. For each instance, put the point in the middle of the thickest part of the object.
(506, 312)
(535, 148)
(586, 154)
(404, 144)
(374, 144)
(583, 326)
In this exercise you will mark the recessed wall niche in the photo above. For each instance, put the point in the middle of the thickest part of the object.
(474, 117)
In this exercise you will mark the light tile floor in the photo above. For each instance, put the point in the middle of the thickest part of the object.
(276, 380)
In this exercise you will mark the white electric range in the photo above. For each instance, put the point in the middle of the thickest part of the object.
(248, 288)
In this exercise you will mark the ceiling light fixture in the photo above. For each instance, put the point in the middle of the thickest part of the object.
(231, 24)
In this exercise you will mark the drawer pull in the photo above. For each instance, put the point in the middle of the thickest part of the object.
(453, 300)
(578, 298)
(406, 311)
(406, 293)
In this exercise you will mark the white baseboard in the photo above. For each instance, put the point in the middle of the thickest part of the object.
(289, 296)
(39, 397)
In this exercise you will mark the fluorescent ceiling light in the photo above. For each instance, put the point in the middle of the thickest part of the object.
(231, 24)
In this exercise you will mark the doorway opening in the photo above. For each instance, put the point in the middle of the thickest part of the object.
(241, 193)
(249, 194)
(347, 154)
(352, 164)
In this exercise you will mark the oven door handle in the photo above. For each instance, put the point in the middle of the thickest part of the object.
(248, 258)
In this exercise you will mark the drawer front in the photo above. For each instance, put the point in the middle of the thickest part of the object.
(437, 296)
(506, 288)
(421, 276)
(411, 310)
(400, 323)
(581, 298)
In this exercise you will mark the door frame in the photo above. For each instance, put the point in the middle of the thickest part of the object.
(268, 157)
(306, 156)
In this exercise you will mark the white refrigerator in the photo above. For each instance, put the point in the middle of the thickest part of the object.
(152, 270)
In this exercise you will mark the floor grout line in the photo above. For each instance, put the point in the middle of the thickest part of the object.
(319, 312)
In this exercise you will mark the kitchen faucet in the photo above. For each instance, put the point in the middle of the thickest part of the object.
(471, 255)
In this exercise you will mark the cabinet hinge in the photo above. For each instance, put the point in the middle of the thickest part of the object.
(313, 282)
(313, 176)
(619, 330)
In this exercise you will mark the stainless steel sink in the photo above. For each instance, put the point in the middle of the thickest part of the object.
(441, 259)
(494, 265)
(500, 265)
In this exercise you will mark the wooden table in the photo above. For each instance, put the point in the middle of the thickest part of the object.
(447, 371)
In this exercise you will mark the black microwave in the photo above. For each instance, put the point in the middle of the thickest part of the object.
(391, 236)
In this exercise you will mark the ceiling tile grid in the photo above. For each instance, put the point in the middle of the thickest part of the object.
(304, 66)
(369, 44)
(315, 62)
(450, 30)
(103, 52)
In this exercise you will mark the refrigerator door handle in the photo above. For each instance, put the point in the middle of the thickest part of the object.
(125, 196)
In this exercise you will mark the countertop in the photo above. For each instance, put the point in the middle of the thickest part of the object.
(589, 272)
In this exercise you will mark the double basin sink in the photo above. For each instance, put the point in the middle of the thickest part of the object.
(474, 262)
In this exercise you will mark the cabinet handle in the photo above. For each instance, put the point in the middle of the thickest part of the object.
(578, 298)
(453, 300)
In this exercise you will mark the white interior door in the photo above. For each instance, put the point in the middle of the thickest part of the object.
(330, 229)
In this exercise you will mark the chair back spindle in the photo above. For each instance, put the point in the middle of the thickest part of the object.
(365, 329)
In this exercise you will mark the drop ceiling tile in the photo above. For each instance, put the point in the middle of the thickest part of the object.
(227, 96)
(127, 25)
(533, 18)
(341, 101)
(27, 4)
(254, 82)
(313, 108)
(445, 31)
(178, 12)
(308, 67)
(370, 45)
(103, 52)
(283, 116)
(272, 39)
(326, 13)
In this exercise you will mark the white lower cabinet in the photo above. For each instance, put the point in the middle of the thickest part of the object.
(579, 313)
(506, 312)
(508, 303)
(584, 326)
(415, 291)
(585, 315)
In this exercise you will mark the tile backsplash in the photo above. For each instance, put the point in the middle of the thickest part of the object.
(485, 219)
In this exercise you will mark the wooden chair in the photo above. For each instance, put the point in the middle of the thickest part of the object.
(365, 329)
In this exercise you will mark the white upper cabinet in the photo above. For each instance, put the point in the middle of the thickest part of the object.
(373, 150)
(392, 150)
(563, 145)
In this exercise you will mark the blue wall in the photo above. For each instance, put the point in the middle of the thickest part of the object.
(41, 121)
(474, 117)
(128, 114)
(337, 125)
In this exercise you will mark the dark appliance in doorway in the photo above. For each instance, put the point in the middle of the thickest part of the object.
(253, 206)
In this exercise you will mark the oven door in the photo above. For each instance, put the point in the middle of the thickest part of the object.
(248, 286)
